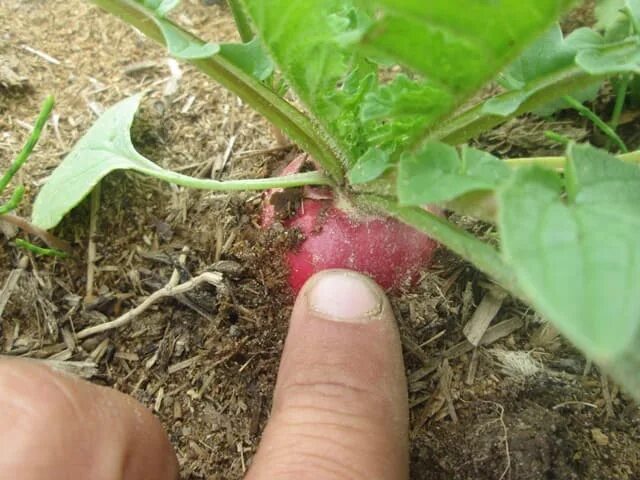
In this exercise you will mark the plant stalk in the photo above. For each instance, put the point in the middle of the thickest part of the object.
(621, 97)
(558, 163)
(274, 108)
(597, 121)
(242, 22)
(287, 181)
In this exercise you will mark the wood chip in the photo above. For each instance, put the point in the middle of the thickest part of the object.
(157, 405)
(138, 67)
(176, 367)
(177, 410)
(475, 328)
(492, 335)
(11, 283)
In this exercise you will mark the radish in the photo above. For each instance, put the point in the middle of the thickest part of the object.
(390, 252)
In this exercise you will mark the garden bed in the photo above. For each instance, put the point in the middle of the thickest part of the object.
(524, 406)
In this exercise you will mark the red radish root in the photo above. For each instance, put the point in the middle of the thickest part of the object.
(390, 252)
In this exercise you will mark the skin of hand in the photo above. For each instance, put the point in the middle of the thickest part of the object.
(340, 407)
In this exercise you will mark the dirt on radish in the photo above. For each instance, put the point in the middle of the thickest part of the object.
(524, 406)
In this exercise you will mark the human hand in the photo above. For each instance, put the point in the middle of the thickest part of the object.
(339, 410)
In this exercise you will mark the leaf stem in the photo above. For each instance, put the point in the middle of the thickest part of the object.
(22, 157)
(558, 163)
(621, 97)
(287, 181)
(242, 21)
(483, 256)
(274, 108)
(596, 120)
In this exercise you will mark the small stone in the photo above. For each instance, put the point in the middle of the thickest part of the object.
(599, 437)
(234, 331)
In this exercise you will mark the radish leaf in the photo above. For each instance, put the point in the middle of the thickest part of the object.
(437, 173)
(397, 111)
(309, 42)
(463, 52)
(369, 167)
(578, 258)
(608, 13)
(597, 58)
(250, 57)
(179, 47)
(161, 7)
(549, 55)
(107, 147)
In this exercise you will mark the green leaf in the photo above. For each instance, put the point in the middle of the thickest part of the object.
(107, 147)
(407, 101)
(598, 58)
(608, 13)
(458, 45)
(250, 57)
(104, 148)
(186, 48)
(438, 174)
(396, 112)
(548, 56)
(309, 42)
(369, 167)
(161, 7)
(311, 57)
(633, 9)
(578, 258)
(181, 47)
(552, 55)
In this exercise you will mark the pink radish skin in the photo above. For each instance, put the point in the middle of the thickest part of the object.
(390, 252)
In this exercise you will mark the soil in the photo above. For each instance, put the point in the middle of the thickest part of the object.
(523, 406)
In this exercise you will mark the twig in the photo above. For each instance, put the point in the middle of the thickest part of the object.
(573, 402)
(51, 240)
(266, 151)
(79, 369)
(91, 250)
(213, 278)
(11, 282)
(42, 55)
(218, 167)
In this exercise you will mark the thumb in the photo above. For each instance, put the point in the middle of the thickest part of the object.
(340, 406)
